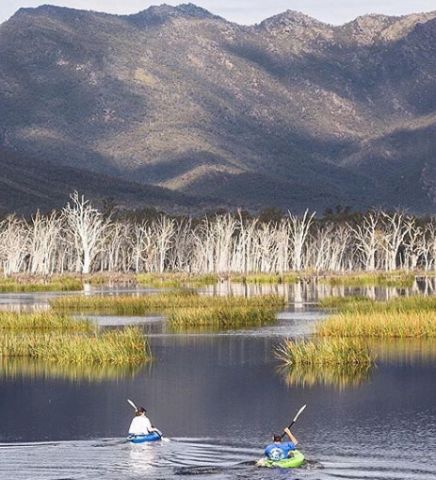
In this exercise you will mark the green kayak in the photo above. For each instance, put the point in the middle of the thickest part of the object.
(295, 460)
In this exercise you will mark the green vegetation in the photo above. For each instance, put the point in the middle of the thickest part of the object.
(42, 321)
(176, 280)
(221, 317)
(379, 324)
(394, 279)
(118, 347)
(267, 278)
(140, 305)
(180, 280)
(414, 303)
(38, 284)
(400, 317)
(324, 352)
(343, 303)
(58, 338)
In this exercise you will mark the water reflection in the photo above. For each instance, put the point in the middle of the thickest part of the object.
(143, 458)
(400, 352)
(339, 377)
(406, 351)
(301, 295)
(309, 290)
(14, 368)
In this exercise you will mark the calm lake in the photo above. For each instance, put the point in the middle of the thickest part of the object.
(219, 397)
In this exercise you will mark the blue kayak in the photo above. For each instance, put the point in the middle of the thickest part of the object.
(151, 437)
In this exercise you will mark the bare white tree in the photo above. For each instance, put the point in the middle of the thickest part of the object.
(299, 230)
(367, 240)
(44, 239)
(395, 230)
(88, 228)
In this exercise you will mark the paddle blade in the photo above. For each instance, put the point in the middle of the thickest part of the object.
(299, 413)
(132, 404)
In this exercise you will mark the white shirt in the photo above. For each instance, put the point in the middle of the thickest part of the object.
(140, 426)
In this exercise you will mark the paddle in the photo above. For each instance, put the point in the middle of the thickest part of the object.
(295, 419)
(132, 404)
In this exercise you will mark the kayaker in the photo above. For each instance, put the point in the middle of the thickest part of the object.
(279, 450)
(141, 424)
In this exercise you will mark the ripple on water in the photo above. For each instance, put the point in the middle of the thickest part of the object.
(116, 459)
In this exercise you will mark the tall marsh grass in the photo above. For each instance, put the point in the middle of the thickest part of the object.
(118, 347)
(394, 279)
(265, 278)
(339, 351)
(402, 317)
(43, 321)
(38, 284)
(408, 324)
(176, 280)
(221, 317)
(343, 303)
(140, 305)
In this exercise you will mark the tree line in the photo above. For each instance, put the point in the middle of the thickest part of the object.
(83, 239)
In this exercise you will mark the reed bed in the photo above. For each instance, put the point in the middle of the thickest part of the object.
(265, 278)
(224, 317)
(395, 279)
(140, 305)
(343, 303)
(409, 324)
(31, 284)
(176, 280)
(401, 317)
(339, 351)
(414, 303)
(43, 321)
(118, 347)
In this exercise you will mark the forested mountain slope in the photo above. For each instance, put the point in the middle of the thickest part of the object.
(291, 113)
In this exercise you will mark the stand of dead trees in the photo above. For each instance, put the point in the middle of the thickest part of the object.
(80, 239)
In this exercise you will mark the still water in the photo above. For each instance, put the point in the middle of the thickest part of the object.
(218, 398)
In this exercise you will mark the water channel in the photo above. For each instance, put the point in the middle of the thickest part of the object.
(218, 397)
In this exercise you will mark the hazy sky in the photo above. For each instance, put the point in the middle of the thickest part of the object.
(244, 11)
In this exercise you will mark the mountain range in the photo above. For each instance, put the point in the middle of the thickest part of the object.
(177, 108)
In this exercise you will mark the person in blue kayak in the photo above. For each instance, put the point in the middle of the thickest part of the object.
(279, 450)
(141, 424)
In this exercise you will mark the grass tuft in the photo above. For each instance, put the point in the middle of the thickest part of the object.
(140, 305)
(324, 352)
(402, 317)
(119, 347)
(37, 284)
(176, 280)
(221, 317)
(43, 321)
(265, 278)
(394, 279)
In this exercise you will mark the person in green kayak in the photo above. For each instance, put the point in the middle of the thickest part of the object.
(279, 450)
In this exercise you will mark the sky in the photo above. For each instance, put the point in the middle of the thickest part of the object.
(244, 11)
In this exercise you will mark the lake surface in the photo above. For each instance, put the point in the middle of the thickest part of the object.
(218, 398)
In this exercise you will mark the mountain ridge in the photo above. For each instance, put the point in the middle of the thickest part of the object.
(291, 111)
